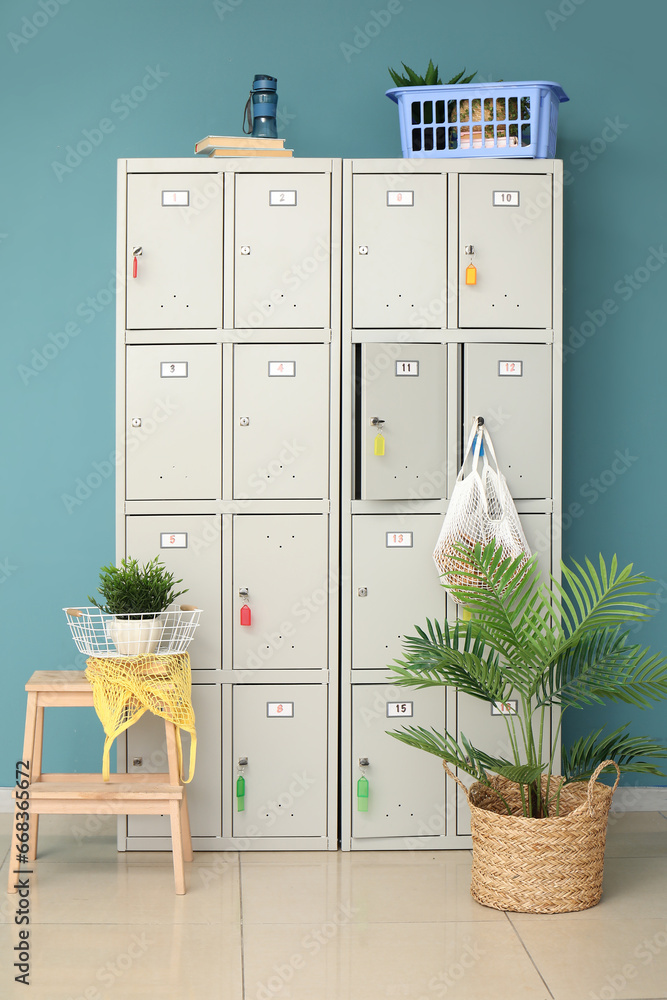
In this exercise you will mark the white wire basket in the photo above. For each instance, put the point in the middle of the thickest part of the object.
(97, 633)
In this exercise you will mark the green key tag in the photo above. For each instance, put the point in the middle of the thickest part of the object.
(362, 794)
(240, 793)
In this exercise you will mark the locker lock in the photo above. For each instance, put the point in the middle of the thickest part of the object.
(136, 421)
(244, 421)
(377, 422)
(243, 761)
(469, 249)
(363, 251)
(243, 591)
(362, 592)
(245, 250)
(363, 762)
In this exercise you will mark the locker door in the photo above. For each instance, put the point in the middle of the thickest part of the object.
(190, 547)
(281, 573)
(406, 788)
(513, 255)
(281, 421)
(146, 743)
(406, 388)
(282, 731)
(399, 258)
(395, 584)
(483, 727)
(173, 422)
(282, 267)
(176, 220)
(510, 386)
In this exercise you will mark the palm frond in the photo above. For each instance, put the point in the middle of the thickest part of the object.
(603, 667)
(629, 752)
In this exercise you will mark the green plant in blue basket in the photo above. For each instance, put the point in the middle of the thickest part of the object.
(431, 77)
(562, 647)
(134, 591)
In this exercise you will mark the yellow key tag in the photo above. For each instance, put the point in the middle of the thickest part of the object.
(379, 444)
(471, 274)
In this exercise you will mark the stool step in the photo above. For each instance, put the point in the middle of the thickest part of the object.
(108, 791)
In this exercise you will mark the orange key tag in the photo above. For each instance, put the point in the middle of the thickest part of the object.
(471, 274)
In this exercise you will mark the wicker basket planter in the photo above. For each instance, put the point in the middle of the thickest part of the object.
(551, 865)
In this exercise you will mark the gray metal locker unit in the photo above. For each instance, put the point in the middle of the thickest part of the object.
(504, 217)
(174, 422)
(510, 385)
(512, 252)
(146, 753)
(406, 793)
(399, 246)
(403, 396)
(395, 583)
(240, 320)
(282, 250)
(281, 577)
(191, 548)
(280, 748)
(173, 250)
(281, 421)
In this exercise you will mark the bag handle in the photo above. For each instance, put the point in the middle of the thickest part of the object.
(474, 444)
(595, 775)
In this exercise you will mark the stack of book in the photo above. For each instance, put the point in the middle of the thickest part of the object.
(240, 145)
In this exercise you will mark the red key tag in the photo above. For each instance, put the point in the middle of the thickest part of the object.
(134, 267)
(245, 615)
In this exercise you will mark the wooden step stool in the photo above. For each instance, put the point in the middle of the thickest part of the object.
(122, 795)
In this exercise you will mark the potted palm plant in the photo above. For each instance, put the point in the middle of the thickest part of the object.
(136, 596)
(557, 647)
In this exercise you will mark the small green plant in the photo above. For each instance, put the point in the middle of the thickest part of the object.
(563, 646)
(431, 77)
(131, 590)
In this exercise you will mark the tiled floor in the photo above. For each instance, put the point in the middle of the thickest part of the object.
(362, 926)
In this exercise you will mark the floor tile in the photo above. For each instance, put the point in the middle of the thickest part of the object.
(294, 894)
(116, 894)
(638, 834)
(126, 962)
(468, 961)
(409, 892)
(597, 959)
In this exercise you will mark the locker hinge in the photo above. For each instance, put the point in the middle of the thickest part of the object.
(550, 505)
(330, 336)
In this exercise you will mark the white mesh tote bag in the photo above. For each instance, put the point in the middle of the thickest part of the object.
(481, 510)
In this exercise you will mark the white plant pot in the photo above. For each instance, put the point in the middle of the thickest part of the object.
(134, 637)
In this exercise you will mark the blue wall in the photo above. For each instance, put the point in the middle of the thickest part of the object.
(187, 67)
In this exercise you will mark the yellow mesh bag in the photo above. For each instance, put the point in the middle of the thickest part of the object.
(126, 687)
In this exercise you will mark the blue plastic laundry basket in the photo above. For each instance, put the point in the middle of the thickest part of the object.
(493, 119)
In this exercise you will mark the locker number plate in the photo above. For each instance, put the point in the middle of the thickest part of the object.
(510, 707)
(173, 369)
(282, 197)
(399, 709)
(399, 539)
(510, 198)
(280, 709)
(407, 368)
(400, 198)
(282, 369)
(173, 539)
(510, 368)
(175, 198)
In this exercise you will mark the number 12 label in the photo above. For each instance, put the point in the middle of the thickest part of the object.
(511, 368)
